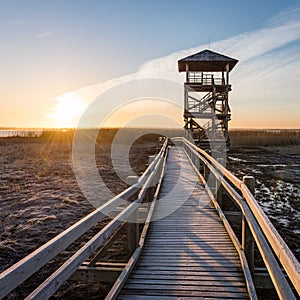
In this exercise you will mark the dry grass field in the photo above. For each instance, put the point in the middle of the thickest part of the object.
(265, 137)
(39, 195)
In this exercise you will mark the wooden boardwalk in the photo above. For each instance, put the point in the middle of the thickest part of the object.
(188, 253)
(183, 251)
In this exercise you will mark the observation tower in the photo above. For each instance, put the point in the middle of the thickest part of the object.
(206, 105)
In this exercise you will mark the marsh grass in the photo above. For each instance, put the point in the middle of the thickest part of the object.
(265, 137)
(239, 137)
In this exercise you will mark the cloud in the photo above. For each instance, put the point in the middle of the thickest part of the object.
(44, 34)
(269, 65)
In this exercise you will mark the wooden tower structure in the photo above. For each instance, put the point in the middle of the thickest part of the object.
(206, 106)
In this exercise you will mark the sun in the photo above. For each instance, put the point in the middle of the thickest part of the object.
(67, 110)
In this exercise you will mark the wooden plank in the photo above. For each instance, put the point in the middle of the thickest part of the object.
(207, 244)
(191, 224)
(190, 264)
(191, 249)
(187, 241)
(185, 227)
(191, 233)
(183, 267)
(193, 246)
(187, 250)
(189, 253)
(192, 271)
(181, 257)
(199, 234)
(167, 231)
(180, 293)
(213, 280)
(189, 259)
(105, 264)
(96, 274)
(190, 237)
(184, 286)
(204, 240)
(148, 297)
(204, 281)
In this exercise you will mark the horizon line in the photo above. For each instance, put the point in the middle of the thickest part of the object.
(132, 127)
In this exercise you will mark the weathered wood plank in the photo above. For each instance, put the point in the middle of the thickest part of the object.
(181, 257)
(148, 297)
(184, 286)
(183, 264)
(189, 259)
(182, 254)
(96, 274)
(210, 280)
(180, 293)
(192, 271)
(226, 285)
(216, 247)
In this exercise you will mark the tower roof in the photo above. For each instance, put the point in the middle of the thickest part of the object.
(206, 61)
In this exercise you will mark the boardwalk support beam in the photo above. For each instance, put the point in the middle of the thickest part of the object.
(101, 272)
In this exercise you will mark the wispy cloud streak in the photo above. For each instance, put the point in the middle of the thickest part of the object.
(44, 34)
(266, 56)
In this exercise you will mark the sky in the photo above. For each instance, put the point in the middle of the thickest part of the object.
(70, 63)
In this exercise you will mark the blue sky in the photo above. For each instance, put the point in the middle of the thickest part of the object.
(50, 49)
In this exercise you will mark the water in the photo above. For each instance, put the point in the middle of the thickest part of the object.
(277, 186)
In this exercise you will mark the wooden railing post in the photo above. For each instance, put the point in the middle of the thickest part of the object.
(132, 223)
(133, 231)
(151, 188)
(151, 159)
(197, 163)
(247, 238)
(219, 188)
(206, 172)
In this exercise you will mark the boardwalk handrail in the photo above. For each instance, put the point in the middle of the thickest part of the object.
(113, 293)
(262, 229)
(19, 272)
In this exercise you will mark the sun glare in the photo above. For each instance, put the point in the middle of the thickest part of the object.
(67, 110)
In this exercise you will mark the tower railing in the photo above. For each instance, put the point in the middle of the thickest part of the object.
(204, 79)
(200, 105)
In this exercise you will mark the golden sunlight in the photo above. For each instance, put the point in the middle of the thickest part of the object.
(67, 110)
(147, 112)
